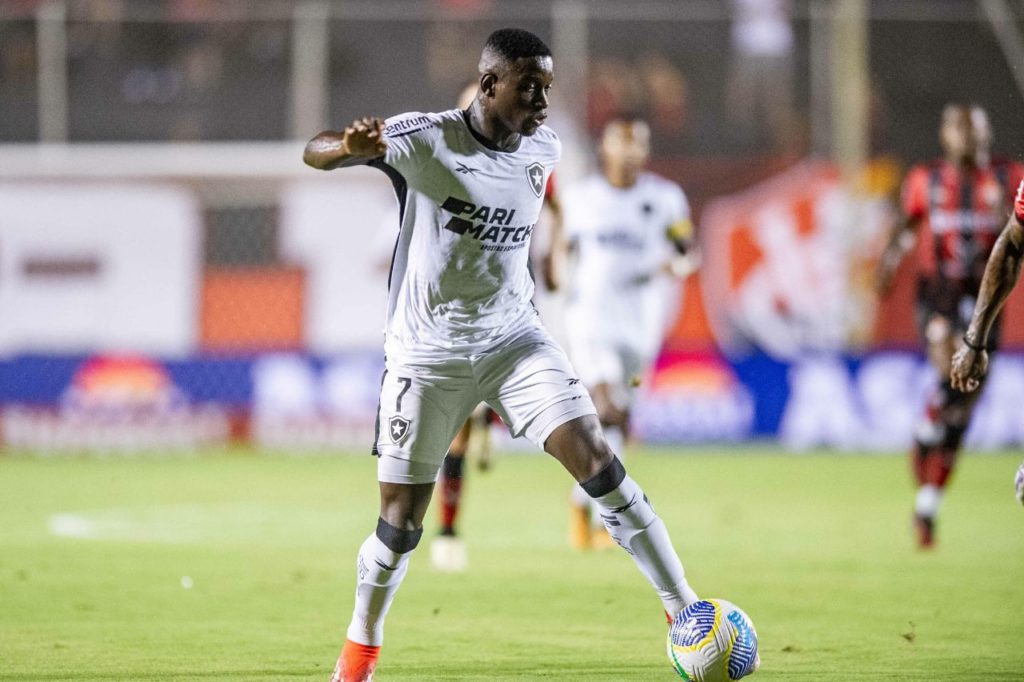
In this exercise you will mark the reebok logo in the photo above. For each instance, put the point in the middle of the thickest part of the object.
(464, 169)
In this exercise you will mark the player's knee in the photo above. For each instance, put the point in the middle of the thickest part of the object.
(397, 539)
(580, 446)
(404, 506)
(595, 452)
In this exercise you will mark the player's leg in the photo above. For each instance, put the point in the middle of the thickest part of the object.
(930, 432)
(625, 509)
(478, 448)
(447, 551)
(604, 375)
(451, 479)
(417, 419)
(381, 565)
(941, 431)
(536, 391)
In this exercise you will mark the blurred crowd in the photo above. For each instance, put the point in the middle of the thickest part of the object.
(733, 83)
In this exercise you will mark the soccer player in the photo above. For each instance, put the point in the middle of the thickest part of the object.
(970, 363)
(461, 328)
(954, 210)
(448, 551)
(626, 228)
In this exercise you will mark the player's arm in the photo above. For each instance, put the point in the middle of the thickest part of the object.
(901, 241)
(357, 144)
(903, 235)
(554, 262)
(1001, 274)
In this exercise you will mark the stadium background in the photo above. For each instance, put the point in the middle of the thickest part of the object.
(172, 276)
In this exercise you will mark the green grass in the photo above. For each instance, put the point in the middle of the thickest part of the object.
(817, 549)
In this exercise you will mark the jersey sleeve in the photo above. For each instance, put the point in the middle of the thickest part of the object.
(680, 227)
(550, 190)
(914, 198)
(409, 138)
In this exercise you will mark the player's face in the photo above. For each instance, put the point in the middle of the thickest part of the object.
(626, 145)
(521, 95)
(982, 128)
(960, 137)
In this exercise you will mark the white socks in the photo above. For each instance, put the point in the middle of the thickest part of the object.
(927, 501)
(379, 572)
(632, 522)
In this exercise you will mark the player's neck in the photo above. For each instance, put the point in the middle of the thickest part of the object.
(620, 179)
(489, 129)
(963, 164)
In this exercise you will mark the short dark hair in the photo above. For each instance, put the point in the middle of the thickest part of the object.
(515, 43)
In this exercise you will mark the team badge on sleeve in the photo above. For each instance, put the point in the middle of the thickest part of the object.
(1018, 206)
(535, 175)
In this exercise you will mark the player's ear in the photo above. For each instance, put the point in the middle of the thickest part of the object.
(489, 83)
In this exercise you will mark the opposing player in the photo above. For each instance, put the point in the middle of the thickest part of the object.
(970, 363)
(626, 229)
(461, 328)
(954, 210)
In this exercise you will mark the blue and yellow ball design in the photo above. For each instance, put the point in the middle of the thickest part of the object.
(713, 641)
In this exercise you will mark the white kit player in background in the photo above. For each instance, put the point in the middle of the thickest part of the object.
(629, 233)
(461, 328)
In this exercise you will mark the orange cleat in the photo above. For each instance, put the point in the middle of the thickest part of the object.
(579, 527)
(356, 663)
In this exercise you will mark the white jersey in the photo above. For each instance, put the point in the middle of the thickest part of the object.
(459, 279)
(617, 290)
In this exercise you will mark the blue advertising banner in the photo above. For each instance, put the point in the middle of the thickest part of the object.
(869, 402)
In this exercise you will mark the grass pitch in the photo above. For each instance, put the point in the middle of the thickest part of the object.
(241, 567)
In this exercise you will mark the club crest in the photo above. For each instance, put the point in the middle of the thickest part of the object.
(398, 428)
(535, 176)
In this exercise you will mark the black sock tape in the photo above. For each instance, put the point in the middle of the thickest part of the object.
(396, 539)
(606, 480)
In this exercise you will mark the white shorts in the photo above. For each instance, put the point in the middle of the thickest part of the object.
(618, 365)
(527, 380)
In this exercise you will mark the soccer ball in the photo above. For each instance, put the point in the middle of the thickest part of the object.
(1018, 484)
(713, 641)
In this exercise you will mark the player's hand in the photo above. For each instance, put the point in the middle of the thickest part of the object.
(683, 265)
(365, 137)
(968, 369)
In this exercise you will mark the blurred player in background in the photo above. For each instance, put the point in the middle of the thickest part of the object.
(970, 363)
(954, 209)
(626, 229)
(461, 327)
(448, 551)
